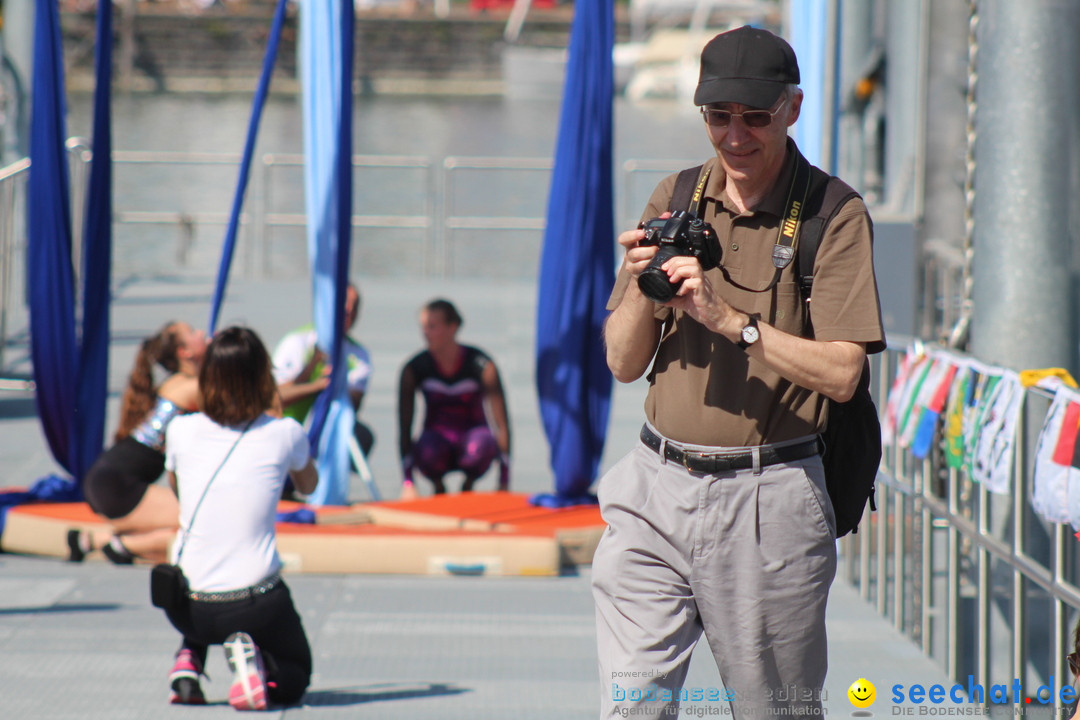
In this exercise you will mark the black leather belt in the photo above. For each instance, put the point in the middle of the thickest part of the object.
(713, 463)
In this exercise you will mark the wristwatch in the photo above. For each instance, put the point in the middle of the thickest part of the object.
(750, 333)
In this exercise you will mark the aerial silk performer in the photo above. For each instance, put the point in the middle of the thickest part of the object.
(326, 62)
(70, 369)
(577, 264)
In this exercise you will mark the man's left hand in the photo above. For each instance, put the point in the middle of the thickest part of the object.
(698, 299)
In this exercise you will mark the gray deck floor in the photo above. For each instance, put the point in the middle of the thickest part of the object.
(82, 641)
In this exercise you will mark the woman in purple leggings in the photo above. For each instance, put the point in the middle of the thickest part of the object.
(466, 425)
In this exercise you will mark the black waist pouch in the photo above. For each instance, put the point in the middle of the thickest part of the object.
(168, 587)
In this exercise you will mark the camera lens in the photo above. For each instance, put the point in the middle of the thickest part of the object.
(653, 281)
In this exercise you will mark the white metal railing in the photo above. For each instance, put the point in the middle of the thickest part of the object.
(12, 257)
(426, 205)
(418, 216)
(979, 581)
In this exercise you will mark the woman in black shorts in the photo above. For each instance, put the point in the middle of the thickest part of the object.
(120, 484)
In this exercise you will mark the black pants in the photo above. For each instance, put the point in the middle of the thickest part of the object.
(272, 622)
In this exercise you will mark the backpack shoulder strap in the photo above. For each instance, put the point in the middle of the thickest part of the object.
(827, 195)
(684, 188)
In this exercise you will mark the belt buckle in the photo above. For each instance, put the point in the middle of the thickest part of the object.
(692, 458)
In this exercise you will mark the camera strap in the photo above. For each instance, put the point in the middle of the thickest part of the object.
(183, 540)
(791, 223)
(699, 191)
(787, 237)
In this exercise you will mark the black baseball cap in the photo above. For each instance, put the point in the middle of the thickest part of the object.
(748, 65)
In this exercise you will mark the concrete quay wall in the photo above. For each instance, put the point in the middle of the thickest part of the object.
(159, 47)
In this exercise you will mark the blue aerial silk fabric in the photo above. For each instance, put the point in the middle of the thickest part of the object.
(245, 165)
(93, 378)
(71, 375)
(809, 25)
(52, 309)
(577, 263)
(326, 61)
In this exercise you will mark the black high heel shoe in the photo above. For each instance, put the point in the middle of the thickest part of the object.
(116, 556)
(76, 553)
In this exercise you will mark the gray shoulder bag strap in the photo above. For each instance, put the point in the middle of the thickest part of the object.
(202, 497)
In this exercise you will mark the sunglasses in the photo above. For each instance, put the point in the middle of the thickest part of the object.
(1074, 663)
(752, 118)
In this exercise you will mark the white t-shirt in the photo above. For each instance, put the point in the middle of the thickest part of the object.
(295, 350)
(232, 544)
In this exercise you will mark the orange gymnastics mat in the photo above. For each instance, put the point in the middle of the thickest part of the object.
(466, 534)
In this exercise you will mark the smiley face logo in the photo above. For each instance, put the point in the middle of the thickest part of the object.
(862, 693)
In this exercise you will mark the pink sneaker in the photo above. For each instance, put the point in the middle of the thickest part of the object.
(248, 691)
(184, 688)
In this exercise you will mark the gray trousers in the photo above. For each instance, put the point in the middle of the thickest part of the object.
(746, 557)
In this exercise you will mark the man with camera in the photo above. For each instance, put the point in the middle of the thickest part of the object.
(719, 520)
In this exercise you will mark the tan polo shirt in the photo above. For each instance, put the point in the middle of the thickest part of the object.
(704, 389)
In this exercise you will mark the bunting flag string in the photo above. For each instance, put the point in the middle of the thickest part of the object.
(970, 409)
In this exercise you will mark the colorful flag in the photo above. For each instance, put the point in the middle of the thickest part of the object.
(959, 395)
(923, 394)
(994, 454)
(896, 390)
(908, 396)
(926, 432)
(1054, 455)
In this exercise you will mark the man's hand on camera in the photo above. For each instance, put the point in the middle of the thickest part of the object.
(637, 258)
(699, 300)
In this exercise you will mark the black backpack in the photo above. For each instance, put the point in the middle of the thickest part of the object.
(852, 436)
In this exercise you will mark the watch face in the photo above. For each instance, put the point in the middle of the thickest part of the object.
(750, 334)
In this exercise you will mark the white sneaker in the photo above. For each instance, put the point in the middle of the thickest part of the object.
(248, 691)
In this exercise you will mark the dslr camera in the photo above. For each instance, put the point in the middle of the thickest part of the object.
(680, 234)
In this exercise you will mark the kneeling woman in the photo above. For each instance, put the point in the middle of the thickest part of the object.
(228, 463)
